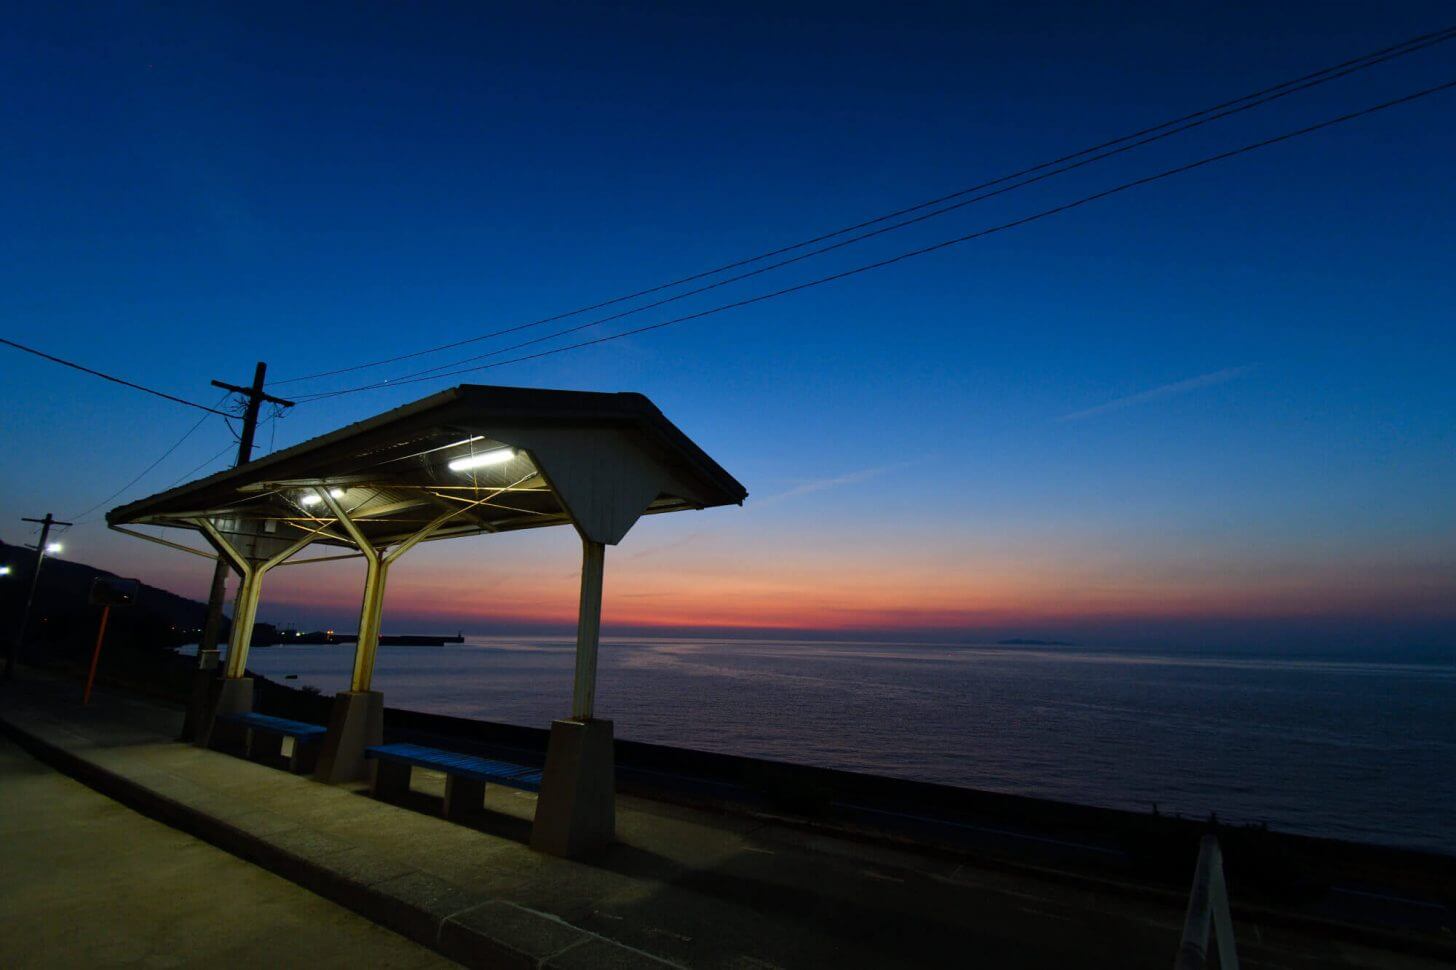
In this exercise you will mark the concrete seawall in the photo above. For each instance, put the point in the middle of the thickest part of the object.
(1297, 877)
(716, 885)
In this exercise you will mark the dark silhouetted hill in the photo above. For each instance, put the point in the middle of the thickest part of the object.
(63, 618)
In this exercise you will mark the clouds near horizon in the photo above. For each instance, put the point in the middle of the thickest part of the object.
(1161, 393)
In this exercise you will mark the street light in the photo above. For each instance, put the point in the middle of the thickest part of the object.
(53, 548)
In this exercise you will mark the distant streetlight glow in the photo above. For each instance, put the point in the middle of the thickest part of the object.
(495, 457)
(54, 548)
(312, 498)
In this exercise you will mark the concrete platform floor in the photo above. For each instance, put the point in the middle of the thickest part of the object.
(688, 887)
(86, 882)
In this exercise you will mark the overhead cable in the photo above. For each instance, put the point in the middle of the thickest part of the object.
(108, 377)
(1100, 151)
(910, 254)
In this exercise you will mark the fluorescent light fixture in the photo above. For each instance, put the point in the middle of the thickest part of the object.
(54, 548)
(313, 498)
(495, 457)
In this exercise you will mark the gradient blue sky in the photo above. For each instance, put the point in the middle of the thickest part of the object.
(1220, 407)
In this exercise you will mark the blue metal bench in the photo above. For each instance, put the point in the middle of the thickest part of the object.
(265, 735)
(466, 775)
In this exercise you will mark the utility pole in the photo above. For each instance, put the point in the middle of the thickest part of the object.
(207, 649)
(40, 552)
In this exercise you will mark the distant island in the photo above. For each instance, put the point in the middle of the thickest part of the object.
(1022, 642)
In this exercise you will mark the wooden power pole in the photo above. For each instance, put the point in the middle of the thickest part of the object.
(207, 648)
(40, 554)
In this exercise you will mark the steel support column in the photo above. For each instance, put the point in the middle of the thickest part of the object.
(576, 812)
(371, 614)
(588, 629)
(245, 607)
(376, 573)
(357, 718)
(371, 610)
(245, 611)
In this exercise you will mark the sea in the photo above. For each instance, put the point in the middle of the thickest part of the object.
(1335, 744)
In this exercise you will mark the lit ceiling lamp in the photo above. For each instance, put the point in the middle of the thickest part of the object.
(469, 462)
(312, 498)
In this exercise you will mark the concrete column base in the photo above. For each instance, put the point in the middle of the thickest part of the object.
(356, 722)
(576, 812)
(235, 696)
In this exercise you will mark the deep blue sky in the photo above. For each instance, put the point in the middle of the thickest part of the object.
(191, 188)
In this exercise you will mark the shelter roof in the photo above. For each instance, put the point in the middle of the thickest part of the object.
(541, 457)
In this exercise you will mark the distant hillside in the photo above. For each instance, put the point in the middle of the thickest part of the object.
(62, 614)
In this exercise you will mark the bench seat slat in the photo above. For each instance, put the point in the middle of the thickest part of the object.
(456, 763)
(282, 725)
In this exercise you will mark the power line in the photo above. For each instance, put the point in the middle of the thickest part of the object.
(924, 250)
(272, 418)
(1180, 124)
(108, 377)
(81, 518)
(230, 446)
(877, 232)
(273, 431)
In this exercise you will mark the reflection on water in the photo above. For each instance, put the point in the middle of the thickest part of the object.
(1349, 747)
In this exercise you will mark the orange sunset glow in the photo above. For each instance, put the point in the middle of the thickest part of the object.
(717, 582)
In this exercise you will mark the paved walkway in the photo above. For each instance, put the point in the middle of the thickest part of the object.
(685, 887)
(86, 882)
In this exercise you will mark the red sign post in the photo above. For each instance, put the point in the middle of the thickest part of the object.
(106, 592)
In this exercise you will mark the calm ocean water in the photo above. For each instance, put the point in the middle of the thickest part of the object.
(1344, 746)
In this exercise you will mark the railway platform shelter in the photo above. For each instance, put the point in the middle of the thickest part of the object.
(471, 460)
